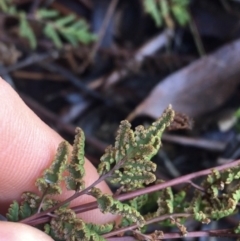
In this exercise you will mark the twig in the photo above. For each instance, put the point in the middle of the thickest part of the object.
(211, 233)
(21, 74)
(196, 142)
(196, 36)
(154, 220)
(74, 80)
(197, 186)
(102, 31)
(147, 49)
(33, 59)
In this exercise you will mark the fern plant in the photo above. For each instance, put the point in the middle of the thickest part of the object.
(128, 163)
(168, 11)
(54, 26)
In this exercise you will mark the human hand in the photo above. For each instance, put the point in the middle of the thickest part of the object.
(27, 147)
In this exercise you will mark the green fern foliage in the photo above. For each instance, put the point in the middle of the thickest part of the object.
(29, 204)
(165, 201)
(136, 203)
(4, 5)
(50, 183)
(54, 26)
(128, 163)
(166, 11)
(139, 202)
(180, 11)
(26, 31)
(169, 203)
(52, 177)
(25, 210)
(75, 181)
(107, 204)
(237, 229)
(28, 207)
(133, 151)
(13, 212)
(221, 196)
(68, 27)
(44, 13)
(67, 226)
(101, 229)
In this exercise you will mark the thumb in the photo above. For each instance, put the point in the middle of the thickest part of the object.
(17, 231)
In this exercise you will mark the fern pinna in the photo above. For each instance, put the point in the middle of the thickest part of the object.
(140, 200)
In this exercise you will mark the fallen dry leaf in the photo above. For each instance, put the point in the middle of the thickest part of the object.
(198, 88)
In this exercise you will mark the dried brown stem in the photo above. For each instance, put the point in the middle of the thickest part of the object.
(154, 220)
(212, 233)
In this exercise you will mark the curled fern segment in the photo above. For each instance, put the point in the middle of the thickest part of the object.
(68, 227)
(107, 204)
(76, 166)
(29, 204)
(101, 229)
(221, 196)
(165, 201)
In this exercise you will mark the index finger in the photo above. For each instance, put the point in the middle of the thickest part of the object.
(27, 147)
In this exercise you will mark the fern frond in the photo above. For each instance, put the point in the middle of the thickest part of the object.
(76, 166)
(135, 150)
(151, 8)
(25, 210)
(29, 204)
(43, 13)
(107, 204)
(13, 212)
(52, 34)
(52, 177)
(138, 202)
(66, 226)
(237, 229)
(165, 201)
(101, 229)
(26, 31)
(165, 11)
(196, 207)
(71, 29)
(54, 26)
(220, 198)
(180, 11)
(4, 5)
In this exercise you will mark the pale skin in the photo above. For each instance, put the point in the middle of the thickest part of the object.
(27, 147)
